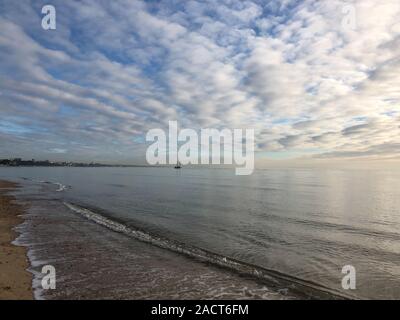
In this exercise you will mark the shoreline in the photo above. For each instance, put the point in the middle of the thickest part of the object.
(80, 237)
(15, 280)
(93, 262)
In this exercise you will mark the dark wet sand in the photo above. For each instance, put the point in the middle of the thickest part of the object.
(15, 281)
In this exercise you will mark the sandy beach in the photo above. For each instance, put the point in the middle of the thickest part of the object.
(15, 281)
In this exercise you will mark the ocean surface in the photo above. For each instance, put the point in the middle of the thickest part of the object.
(285, 232)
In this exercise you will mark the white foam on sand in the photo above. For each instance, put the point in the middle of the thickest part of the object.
(23, 241)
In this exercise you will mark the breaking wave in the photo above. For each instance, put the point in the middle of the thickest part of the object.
(61, 187)
(274, 278)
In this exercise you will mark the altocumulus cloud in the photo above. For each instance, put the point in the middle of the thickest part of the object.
(114, 69)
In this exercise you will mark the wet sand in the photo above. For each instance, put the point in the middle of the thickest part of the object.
(15, 281)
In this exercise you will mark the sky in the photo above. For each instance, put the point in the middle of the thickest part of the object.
(316, 80)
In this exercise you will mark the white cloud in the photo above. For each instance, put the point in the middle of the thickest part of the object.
(289, 69)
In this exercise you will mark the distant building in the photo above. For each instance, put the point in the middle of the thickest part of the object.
(15, 162)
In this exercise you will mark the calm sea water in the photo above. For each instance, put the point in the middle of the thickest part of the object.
(304, 223)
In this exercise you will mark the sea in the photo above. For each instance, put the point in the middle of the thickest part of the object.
(205, 233)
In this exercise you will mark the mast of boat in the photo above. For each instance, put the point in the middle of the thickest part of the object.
(178, 165)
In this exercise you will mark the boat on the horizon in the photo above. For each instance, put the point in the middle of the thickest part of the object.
(178, 165)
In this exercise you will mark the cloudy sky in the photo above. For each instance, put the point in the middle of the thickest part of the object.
(315, 79)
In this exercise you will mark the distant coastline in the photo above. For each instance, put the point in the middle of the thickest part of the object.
(18, 162)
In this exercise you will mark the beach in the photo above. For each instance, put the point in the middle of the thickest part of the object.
(155, 233)
(15, 281)
(93, 262)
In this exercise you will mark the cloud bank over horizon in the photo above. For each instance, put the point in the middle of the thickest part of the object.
(310, 85)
